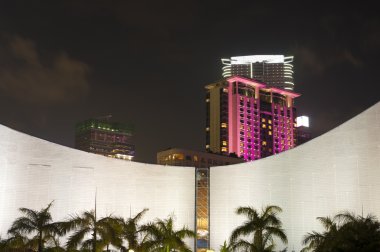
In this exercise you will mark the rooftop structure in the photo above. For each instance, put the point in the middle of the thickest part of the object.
(191, 158)
(274, 70)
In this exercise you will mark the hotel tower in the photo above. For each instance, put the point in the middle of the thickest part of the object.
(249, 118)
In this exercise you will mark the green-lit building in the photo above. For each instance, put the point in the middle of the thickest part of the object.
(105, 138)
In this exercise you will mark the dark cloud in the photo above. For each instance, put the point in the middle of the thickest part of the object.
(314, 61)
(63, 80)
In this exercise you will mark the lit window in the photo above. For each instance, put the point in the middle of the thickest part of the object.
(207, 146)
(270, 121)
(195, 158)
(207, 100)
(269, 127)
(263, 126)
(264, 143)
(224, 143)
(263, 120)
(224, 149)
(177, 156)
(224, 125)
(270, 133)
(207, 129)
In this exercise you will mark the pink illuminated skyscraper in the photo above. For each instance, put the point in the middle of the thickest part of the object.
(249, 118)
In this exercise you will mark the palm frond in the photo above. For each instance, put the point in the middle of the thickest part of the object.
(140, 215)
(277, 232)
(243, 244)
(326, 222)
(75, 239)
(23, 225)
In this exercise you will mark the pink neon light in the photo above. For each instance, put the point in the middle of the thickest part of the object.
(285, 92)
(255, 83)
(233, 122)
(246, 81)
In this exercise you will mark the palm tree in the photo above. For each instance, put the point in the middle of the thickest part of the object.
(345, 232)
(163, 237)
(225, 247)
(263, 227)
(39, 223)
(103, 232)
(54, 245)
(316, 240)
(131, 232)
(15, 241)
(358, 233)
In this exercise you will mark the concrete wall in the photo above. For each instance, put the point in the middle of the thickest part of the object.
(34, 172)
(339, 170)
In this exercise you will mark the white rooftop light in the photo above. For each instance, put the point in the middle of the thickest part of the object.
(261, 58)
(302, 121)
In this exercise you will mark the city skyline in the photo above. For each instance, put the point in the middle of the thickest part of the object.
(148, 63)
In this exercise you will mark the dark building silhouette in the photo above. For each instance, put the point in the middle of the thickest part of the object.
(105, 138)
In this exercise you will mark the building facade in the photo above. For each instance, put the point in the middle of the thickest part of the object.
(274, 70)
(105, 138)
(191, 158)
(336, 171)
(202, 161)
(249, 118)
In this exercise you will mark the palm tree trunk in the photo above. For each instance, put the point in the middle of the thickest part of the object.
(40, 242)
(258, 240)
(94, 241)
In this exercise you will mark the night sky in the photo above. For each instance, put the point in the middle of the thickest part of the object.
(147, 62)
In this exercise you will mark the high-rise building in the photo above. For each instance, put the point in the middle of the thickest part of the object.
(105, 138)
(274, 70)
(249, 118)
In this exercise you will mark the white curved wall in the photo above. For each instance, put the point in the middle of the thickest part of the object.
(336, 171)
(339, 170)
(33, 172)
